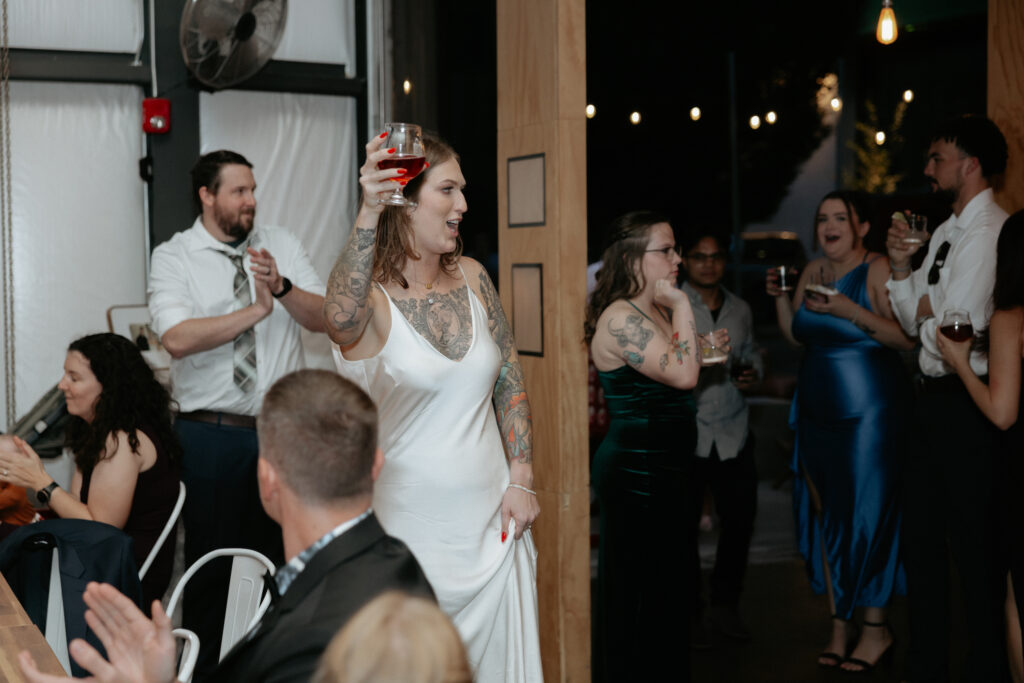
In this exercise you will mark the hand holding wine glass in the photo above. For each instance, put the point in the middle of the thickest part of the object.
(404, 145)
(955, 339)
(374, 180)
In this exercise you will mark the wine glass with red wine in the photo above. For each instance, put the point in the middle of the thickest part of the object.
(956, 325)
(407, 141)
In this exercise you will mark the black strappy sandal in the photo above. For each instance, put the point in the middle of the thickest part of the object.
(886, 656)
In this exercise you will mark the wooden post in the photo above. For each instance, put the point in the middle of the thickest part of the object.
(1006, 91)
(541, 87)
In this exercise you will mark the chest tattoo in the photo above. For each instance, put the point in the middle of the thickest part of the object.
(447, 323)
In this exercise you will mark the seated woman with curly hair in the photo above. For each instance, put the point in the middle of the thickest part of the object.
(126, 454)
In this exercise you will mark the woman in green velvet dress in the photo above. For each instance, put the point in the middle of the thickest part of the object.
(644, 345)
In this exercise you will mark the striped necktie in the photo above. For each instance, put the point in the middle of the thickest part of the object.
(244, 357)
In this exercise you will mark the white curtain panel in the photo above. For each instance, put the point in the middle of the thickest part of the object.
(319, 31)
(92, 25)
(79, 220)
(303, 150)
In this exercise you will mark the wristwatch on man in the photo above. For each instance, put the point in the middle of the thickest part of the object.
(43, 495)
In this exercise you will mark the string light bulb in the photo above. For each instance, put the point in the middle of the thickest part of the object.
(591, 111)
(879, 138)
(886, 32)
(836, 104)
(771, 117)
(755, 121)
(406, 86)
(695, 113)
(634, 118)
(908, 96)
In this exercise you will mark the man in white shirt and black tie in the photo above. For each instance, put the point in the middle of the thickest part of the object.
(950, 483)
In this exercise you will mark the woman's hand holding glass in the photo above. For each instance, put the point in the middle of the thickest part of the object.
(374, 181)
(20, 465)
(839, 305)
(955, 354)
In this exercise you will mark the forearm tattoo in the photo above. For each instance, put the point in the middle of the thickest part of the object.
(348, 286)
(445, 321)
(512, 408)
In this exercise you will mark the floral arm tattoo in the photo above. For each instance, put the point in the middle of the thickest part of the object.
(348, 287)
(511, 405)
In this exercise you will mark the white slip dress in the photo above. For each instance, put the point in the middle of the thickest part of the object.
(441, 486)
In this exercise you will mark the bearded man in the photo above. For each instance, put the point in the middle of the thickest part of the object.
(227, 298)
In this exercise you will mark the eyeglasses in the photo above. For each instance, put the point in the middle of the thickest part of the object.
(940, 260)
(716, 257)
(666, 251)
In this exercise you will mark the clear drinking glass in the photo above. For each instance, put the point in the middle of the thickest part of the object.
(918, 233)
(711, 348)
(956, 325)
(407, 141)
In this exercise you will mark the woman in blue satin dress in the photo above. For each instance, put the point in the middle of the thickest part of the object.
(849, 416)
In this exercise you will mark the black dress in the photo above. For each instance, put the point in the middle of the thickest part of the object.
(1012, 495)
(641, 474)
(156, 491)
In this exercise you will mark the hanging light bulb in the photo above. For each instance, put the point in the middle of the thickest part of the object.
(755, 122)
(879, 138)
(908, 96)
(591, 111)
(771, 117)
(886, 32)
(836, 104)
(695, 113)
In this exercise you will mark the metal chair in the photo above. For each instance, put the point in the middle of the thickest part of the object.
(189, 653)
(246, 602)
(171, 521)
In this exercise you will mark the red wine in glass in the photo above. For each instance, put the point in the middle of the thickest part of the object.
(958, 332)
(413, 165)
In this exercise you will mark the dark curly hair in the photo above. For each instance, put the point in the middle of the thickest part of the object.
(394, 234)
(131, 399)
(618, 278)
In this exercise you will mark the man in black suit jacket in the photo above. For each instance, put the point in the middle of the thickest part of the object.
(318, 460)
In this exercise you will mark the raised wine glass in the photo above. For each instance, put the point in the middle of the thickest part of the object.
(956, 324)
(407, 141)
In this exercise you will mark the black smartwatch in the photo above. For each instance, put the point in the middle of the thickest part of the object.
(285, 288)
(43, 495)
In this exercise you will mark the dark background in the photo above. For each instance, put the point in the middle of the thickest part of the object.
(661, 58)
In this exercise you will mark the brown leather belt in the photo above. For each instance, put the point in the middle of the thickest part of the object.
(220, 419)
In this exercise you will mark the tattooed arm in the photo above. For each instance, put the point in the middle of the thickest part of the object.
(511, 406)
(349, 303)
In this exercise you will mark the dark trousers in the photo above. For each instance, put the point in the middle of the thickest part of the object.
(951, 505)
(222, 510)
(733, 485)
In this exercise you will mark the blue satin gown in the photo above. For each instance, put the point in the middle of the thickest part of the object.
(850, 416)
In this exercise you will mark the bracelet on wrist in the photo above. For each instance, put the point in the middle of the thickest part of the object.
(286, 286)
(522, 488)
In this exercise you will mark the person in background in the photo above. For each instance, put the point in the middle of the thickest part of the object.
(642, 338)
(725, 445)
(396, 637)
(1000, 401)
(849, 413)
(952, 469)
(15, 510)
(228, 298)
(126, 453)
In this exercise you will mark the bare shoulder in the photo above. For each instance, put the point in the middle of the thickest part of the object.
(477, 278)
(878, 268)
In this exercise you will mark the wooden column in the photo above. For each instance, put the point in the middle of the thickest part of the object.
(1006, 91)
(542, 79)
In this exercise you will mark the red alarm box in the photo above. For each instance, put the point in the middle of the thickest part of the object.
(156, 115)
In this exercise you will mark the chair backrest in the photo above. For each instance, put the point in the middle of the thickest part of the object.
(56, 632)
(189, 653)
(246, 602)
(171, 521)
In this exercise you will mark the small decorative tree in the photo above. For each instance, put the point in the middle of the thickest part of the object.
(874, 161)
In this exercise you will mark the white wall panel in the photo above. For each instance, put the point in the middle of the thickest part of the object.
(319, 31)
(93, 25)
(79, 222)
(303, 149)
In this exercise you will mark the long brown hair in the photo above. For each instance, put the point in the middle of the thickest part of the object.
(394, 232)
(619, 277)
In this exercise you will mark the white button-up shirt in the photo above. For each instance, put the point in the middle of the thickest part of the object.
(965, 281)
(190, 277)
(722, 413)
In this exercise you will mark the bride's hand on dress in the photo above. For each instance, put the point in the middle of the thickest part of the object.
(521, 506)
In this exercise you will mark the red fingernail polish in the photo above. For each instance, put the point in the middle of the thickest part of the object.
(426, 164)
(383, 135)
(504, 535)
(391, 151)
(403, 183)
(400, 171)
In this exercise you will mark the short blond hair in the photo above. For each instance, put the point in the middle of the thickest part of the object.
(396, 638)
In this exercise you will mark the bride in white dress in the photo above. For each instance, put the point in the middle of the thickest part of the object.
(421, 329)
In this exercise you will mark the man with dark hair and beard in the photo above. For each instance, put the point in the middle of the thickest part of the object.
(950, 477)
(227, 298)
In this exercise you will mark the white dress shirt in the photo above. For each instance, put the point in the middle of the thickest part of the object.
(191, 277)
(965, 281)
(722, 414)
